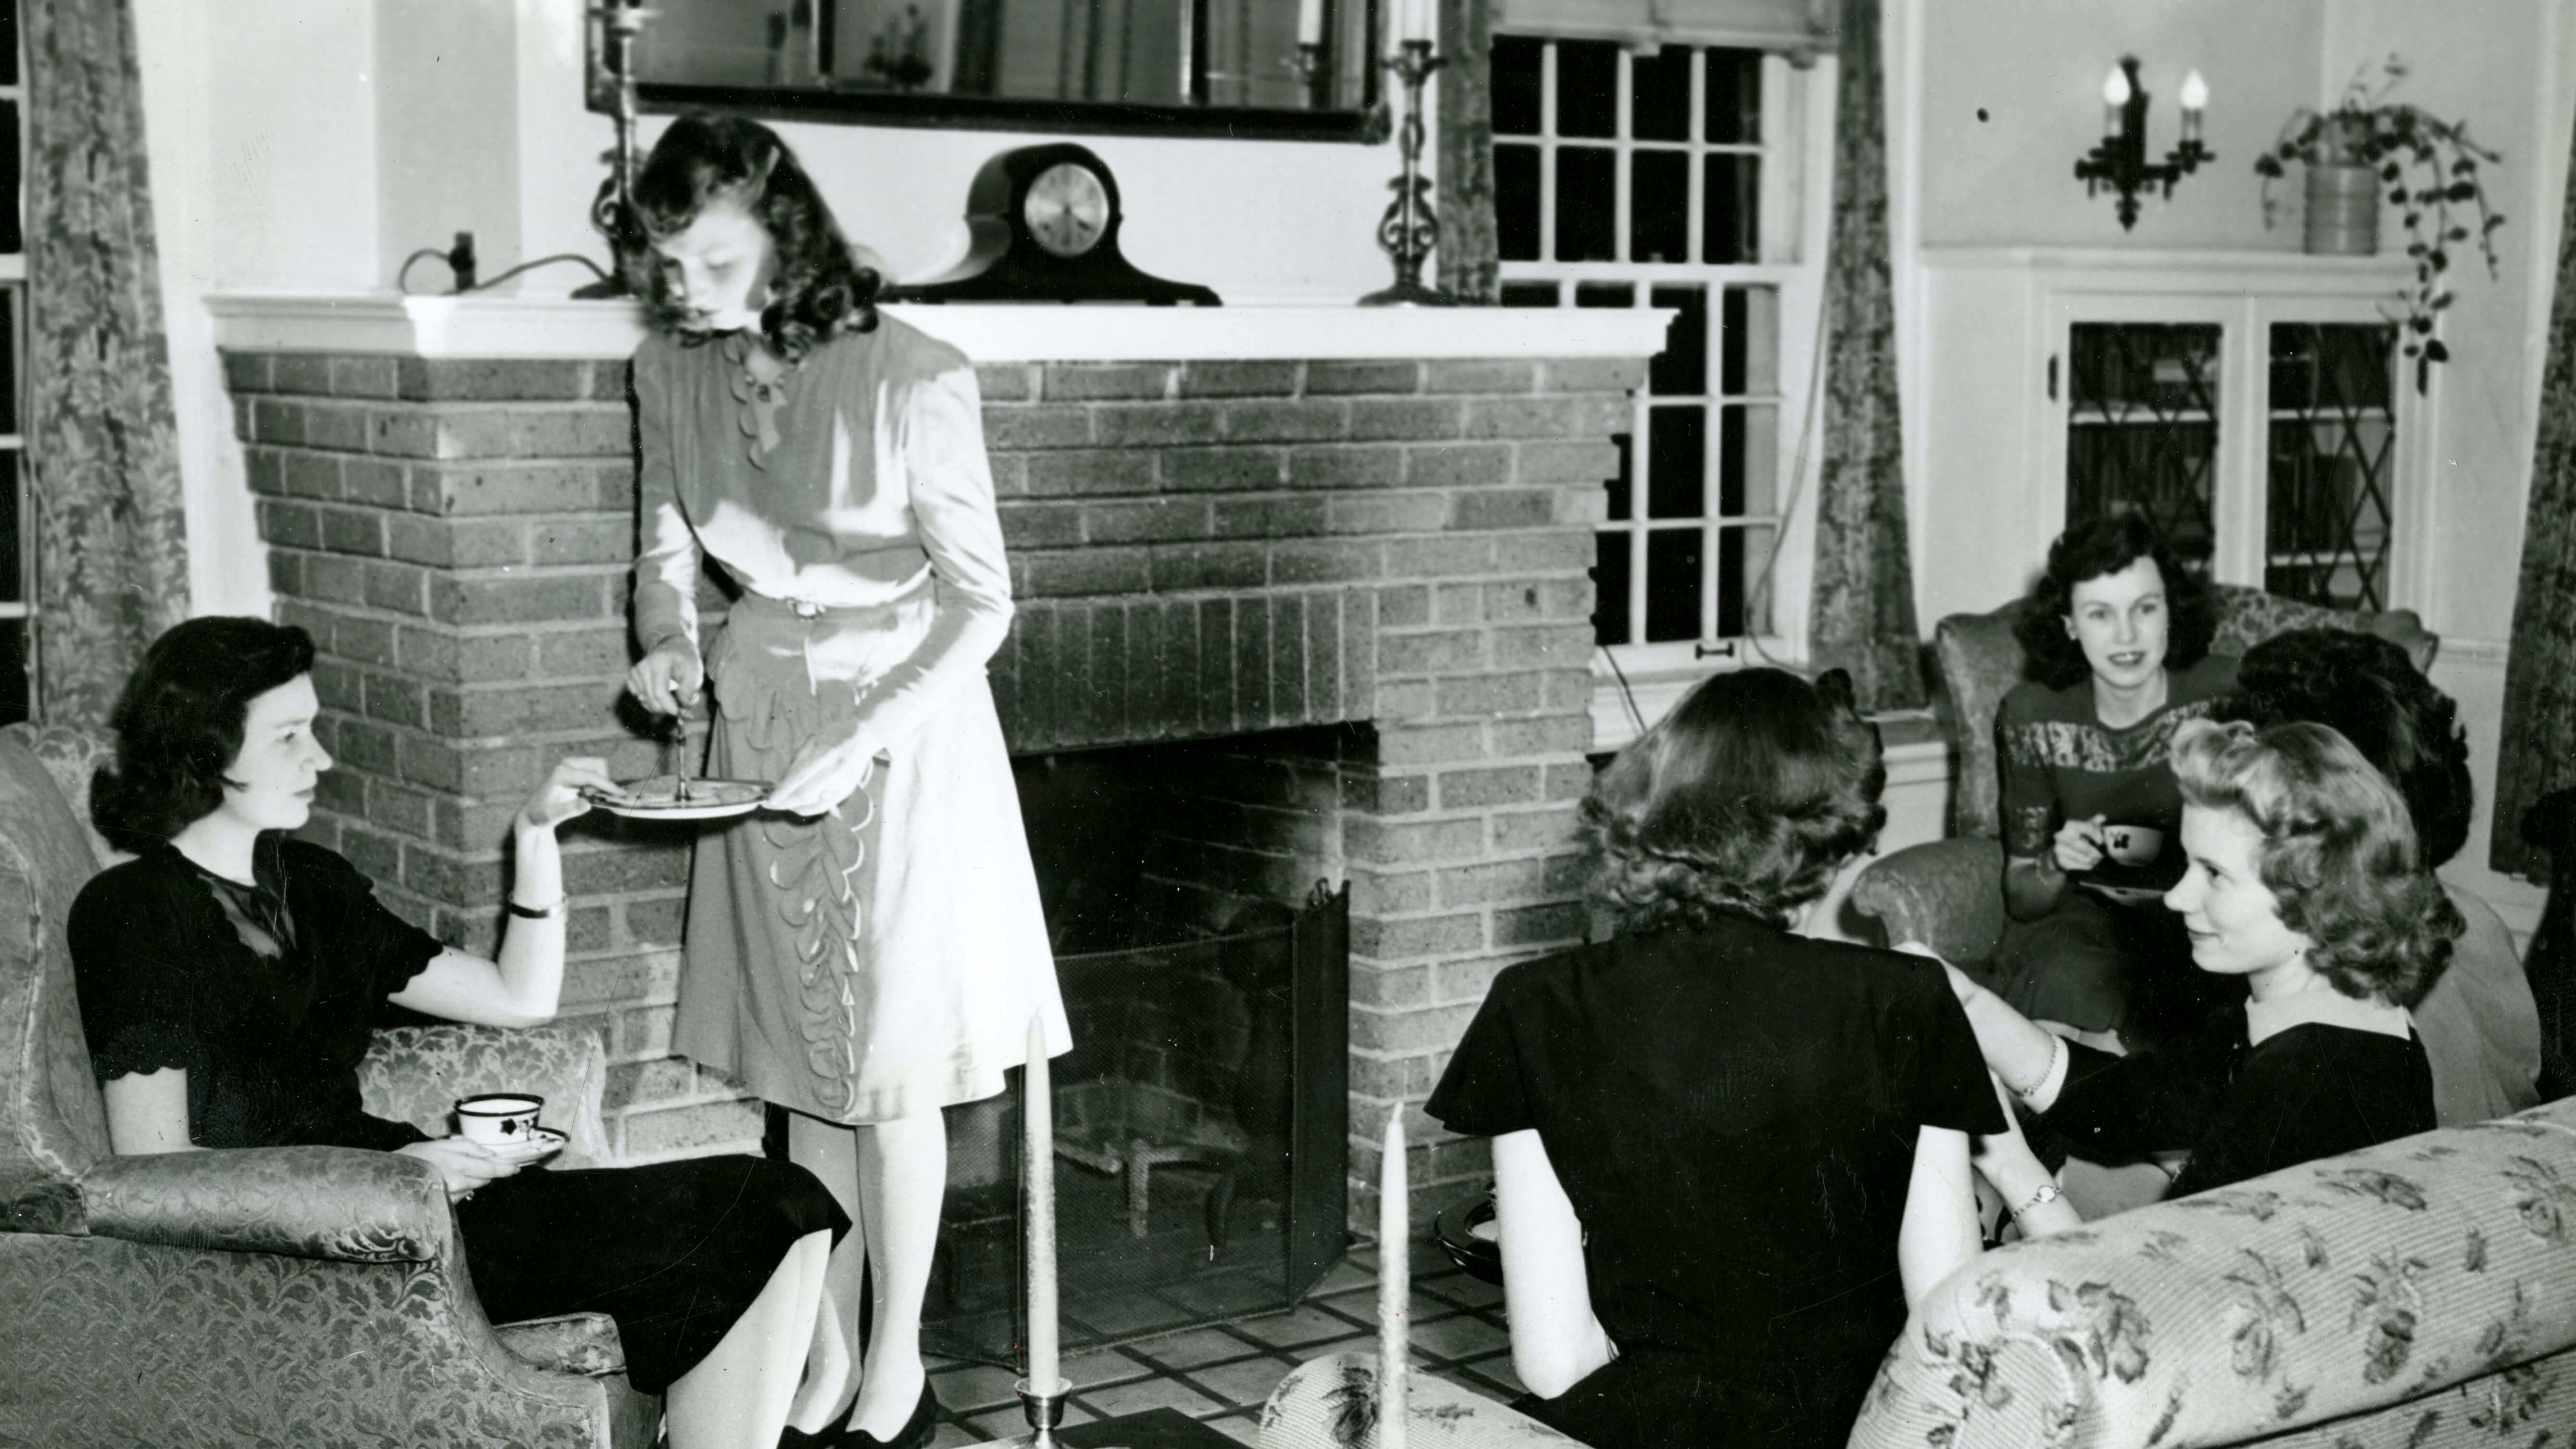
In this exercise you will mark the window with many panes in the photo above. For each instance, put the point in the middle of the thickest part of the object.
(1674, 176)
(16, 553)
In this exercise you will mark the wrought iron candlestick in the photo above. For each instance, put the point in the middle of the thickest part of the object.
(612, 211)
(2121, 163)
(1409, 231)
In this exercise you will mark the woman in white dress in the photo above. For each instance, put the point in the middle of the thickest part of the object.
(870, 950)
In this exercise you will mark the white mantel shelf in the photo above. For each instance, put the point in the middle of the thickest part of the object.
(559, 327)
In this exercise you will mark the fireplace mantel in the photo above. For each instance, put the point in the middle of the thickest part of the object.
(383, 323)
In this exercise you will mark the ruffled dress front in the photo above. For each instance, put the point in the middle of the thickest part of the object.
(885, 959)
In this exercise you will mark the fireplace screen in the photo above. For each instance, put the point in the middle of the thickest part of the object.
(1200, 1127)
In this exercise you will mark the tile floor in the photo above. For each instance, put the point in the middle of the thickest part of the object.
(1221, 1374)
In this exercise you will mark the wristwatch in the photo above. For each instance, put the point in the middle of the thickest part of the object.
(2047, 1193)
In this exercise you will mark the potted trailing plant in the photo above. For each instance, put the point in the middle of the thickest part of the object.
(2429, 169)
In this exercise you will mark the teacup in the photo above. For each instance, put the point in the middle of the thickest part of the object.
(498, 1119)
(2133, 844)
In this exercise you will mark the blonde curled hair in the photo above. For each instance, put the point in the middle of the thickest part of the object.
(2339, 851)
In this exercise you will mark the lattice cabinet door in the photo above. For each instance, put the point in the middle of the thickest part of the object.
(2144, 411)
(2331, 462)
(2266, 439)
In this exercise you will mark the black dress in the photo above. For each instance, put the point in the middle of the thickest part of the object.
(2306, 1092)
(1733, 1114)
(267, 996)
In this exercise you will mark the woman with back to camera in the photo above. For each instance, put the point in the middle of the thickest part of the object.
(2301, 878)
(1726, 1157)
(230, 976)
(870, 950)
(2116, 639)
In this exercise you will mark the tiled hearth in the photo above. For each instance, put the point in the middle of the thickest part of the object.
(1221, 1374)
(1380, 525)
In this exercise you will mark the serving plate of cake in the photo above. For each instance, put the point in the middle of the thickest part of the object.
(680, 797)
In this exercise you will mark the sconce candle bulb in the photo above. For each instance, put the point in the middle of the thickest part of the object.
(1310, 22)
(2120, 162)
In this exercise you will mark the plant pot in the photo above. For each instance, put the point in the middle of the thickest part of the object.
(2343, 211)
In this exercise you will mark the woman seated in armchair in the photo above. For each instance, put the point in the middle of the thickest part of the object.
(2115, 638)
(229, 978)
(1726, 1157)
(2301, 878)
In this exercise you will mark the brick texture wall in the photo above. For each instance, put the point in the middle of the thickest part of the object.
(1200, 550)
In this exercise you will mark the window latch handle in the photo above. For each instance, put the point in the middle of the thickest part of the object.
(1723, 649)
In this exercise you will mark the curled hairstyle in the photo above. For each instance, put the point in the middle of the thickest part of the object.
(2338, 851)
(2090, 551)
(2366, 689)
(179, 723)
(820, 290)
(1743, 801)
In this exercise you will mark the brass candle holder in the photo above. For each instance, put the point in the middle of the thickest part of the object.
(1409, 230)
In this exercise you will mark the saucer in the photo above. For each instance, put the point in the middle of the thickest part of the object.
(668, 797)
(540, 1144)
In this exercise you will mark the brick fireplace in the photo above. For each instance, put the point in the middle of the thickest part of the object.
(1370, 530)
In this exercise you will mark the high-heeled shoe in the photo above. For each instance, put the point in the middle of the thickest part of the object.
(791, 1437)
(913, 1435)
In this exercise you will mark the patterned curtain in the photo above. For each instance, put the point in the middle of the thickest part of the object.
(1863, 613)
(2538, 753)
(101, 434)
(1464, 198)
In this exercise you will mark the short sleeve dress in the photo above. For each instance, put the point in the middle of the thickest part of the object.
(267, 993)
(2094, 963)
(1733, 1114)
(884, 960)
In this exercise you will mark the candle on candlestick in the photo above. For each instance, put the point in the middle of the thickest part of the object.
(1394, 1284)
(1038, 1112)
(1310, 22)
(2195, 100)
(2115, 100)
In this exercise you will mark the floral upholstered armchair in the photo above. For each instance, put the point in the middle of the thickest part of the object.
(290, 1295)
(1948, 894)
(2413, 1295)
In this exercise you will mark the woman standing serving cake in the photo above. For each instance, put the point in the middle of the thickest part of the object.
(870, 949)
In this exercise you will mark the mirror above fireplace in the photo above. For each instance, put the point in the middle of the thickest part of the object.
(1243, 69)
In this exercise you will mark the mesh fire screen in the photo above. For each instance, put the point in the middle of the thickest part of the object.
(1200, 1140)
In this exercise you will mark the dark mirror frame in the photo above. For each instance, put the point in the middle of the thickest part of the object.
(1368, 124)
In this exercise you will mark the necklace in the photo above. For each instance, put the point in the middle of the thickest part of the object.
(759, 385)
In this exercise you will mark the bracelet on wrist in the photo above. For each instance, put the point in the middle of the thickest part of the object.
(537, 913)
(2045, 1192)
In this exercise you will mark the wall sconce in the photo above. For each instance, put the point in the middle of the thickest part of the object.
(2120, 162)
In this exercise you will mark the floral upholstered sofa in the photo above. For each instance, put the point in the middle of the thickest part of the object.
(2415, 1295)
(282, 1296)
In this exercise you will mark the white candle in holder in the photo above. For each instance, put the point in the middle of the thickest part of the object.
(1038, 1111)
(1394, 1284)
(1310, 22)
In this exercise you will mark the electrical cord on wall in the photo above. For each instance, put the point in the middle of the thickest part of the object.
(465, 273)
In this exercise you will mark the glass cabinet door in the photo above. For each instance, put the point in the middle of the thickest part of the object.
(2142, 429)
(2330, 464)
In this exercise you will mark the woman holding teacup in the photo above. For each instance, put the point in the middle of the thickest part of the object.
(2302, 879)
(230, 976)
(2116, 641)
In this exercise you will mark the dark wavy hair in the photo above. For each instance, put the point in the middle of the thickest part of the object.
(1742, 801)
(2089, 551)
(179, 723)
(2366, 689)
(820, 290)
(2338, 851)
